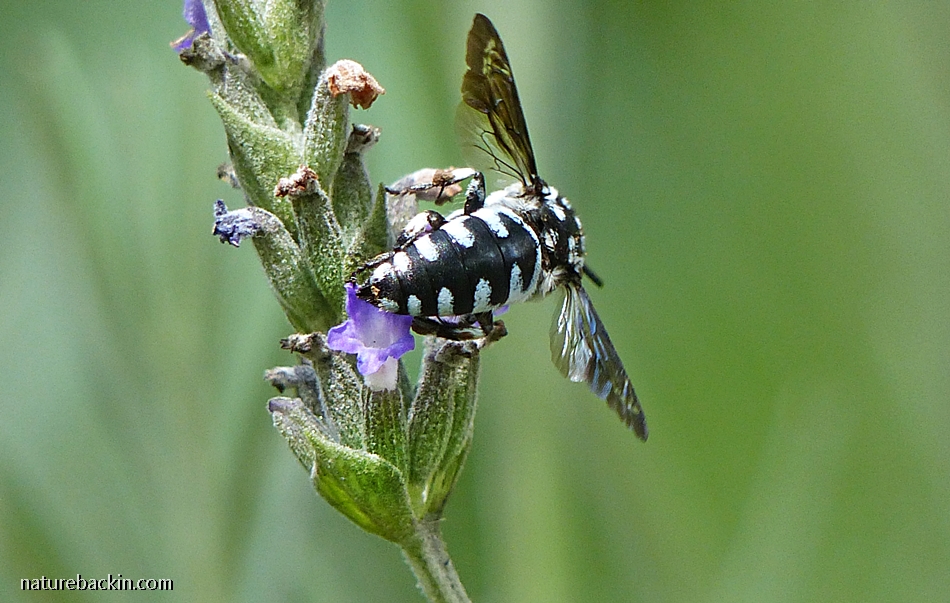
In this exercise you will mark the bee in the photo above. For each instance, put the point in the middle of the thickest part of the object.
(451, 273)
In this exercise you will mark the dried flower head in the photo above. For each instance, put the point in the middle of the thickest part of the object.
(349, 77)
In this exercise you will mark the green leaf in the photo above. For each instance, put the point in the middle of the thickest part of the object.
(365, 487)
(459, 443)
(374, 236)
(352, 192)
(261, 154)
(341, 385)
(386, 426)
(441, 422)
(279, 37)
(290, 276)
(244, 25)
(324, 133)
(318, 232)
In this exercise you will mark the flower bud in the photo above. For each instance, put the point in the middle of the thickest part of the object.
(279, 37)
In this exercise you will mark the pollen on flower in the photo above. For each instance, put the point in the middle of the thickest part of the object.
(377, 338)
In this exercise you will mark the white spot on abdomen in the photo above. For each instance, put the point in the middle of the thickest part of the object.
(532, 287)
(414, 306)
(482, 296)
(427, 248)
(381, 272)
(459, 233)
(516, 287)
(401, 262)
(491, 218)
(446, 302)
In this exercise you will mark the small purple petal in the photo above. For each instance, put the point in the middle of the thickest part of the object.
(196, 16)
(370, 360)
(184, 43)
(343, 338)
(194, 13)
(370, 333)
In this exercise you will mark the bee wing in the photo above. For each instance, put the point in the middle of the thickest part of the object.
(582, 351)
(490, 119)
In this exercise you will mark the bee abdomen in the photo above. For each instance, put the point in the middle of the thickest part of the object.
(474, 263)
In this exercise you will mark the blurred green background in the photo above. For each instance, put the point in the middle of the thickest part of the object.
(765, 191)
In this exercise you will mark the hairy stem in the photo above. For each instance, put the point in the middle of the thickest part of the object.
(426, 554)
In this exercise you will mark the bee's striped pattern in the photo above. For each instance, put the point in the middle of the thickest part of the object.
(513, 245)
(503, 253)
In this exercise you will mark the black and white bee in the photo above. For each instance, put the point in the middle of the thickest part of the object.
(516, 244)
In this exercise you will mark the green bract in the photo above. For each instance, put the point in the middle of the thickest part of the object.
(385, 459)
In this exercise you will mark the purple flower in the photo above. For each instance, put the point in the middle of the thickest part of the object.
(377, 338)
(195, 15)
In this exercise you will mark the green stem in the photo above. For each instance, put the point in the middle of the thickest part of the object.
(426, 554)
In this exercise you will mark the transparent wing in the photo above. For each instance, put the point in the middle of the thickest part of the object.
(480, 151)
(582, 351)
(489, 119)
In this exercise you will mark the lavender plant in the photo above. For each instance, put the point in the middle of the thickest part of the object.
(384, 452)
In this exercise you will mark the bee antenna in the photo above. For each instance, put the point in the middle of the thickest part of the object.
(592, 276)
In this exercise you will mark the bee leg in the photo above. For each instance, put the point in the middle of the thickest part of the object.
(485, 321)
(492, 329)
(498, 331)
(432, 185)
(371, 265)
(471, 326)
(420, 224)
(446, 330)
(475, 194)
